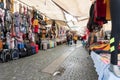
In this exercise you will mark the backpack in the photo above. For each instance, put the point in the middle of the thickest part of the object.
(22, 53)
(15, 54)
(28, 49)
(7, 55)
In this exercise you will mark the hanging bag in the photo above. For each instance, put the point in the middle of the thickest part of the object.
(28, 49)
(22, 53)
(1, 4)
(15, 54)
(7, 55)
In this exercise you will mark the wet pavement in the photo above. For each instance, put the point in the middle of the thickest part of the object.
(77, 66)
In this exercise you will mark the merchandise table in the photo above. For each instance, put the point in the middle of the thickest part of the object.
(102, 68)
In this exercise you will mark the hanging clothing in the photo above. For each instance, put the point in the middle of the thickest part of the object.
(12, 6)
(31, 36)
(100, 8)
(19, 38)
(108, 15)
(36, 29)
(1, 45)
(100, 12)
(8, 4)
(20, 8)
(8, 39)
(12, 44)
(35, 22)
(91, 19)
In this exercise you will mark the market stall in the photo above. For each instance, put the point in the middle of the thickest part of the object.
(106, 52)
(102, 65)
(23, 29)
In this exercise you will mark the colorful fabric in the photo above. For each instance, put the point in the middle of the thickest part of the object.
(100, 8)
(36, 29)
(108, 14)
(1, 44)
(35, 22)
(96, 47)
(20, 46)
(107, 48)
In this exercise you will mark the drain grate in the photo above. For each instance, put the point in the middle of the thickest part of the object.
(59, 72)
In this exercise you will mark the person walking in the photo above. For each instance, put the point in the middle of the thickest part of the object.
(70, 38)
(67, 38)
(84, 40)
(75, 38)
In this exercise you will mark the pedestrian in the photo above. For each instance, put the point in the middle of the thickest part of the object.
(67, 38)
(84, 40)
(70, 39)
(75, 38)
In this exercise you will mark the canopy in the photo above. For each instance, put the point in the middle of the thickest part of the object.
(47, 7)
(53, 8)
(61, 23)
(78, 8)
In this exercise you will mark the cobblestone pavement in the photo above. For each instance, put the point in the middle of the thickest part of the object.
(77, 66)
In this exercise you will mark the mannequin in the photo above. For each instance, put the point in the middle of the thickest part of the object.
(115, 35)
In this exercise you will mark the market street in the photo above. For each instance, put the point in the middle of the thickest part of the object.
(77, 65)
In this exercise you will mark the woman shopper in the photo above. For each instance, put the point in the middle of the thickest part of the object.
(75, 38)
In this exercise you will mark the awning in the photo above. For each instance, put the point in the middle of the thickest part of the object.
(61, 23)
(75, 7)
(46, 7)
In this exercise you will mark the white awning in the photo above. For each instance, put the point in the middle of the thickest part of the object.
(75, 7)
(47, 7)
